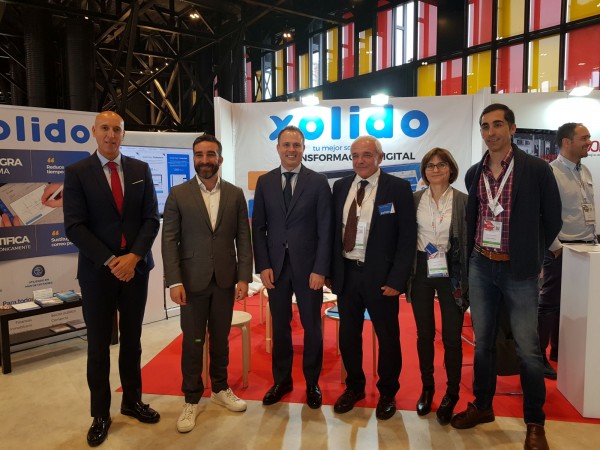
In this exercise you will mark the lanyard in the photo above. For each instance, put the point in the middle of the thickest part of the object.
(441, 213)
(493, 202)
(371, 187)
(578, 177)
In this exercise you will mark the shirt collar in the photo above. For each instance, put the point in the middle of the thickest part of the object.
(295, 170)
(505, 161)
(373, 179)
(203, 187)
(570, 164)
(103, 160)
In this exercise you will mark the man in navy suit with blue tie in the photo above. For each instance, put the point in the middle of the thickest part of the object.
(111, 215)
(291, 234)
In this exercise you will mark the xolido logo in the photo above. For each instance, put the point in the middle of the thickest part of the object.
(380, 124)
(31, 129)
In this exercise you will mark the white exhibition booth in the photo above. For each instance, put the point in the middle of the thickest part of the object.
(407, 128)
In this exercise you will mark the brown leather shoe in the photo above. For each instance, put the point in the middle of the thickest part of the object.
(536, 437)
(471, 417)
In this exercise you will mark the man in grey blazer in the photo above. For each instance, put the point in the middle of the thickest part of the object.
(291, 233)
(207, 258)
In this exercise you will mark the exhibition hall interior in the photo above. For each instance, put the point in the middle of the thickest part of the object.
(414, 74)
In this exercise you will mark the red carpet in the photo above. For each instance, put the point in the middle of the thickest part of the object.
(162, 375)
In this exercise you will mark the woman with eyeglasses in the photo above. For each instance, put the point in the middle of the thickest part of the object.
(440, 266)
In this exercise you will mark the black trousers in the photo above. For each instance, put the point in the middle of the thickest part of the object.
(549, 302)
(423, 293)
(360, 293)
(213, 307)
(101, 299)
(309, 306)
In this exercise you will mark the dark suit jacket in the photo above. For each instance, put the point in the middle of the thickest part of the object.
(305, 229)
(192, 251)
(392, 237)
(93, 223)
(535, 218)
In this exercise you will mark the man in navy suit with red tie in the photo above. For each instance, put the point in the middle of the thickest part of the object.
(291, 233)
(111, 215)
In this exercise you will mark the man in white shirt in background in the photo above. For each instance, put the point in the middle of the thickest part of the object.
(578, 215)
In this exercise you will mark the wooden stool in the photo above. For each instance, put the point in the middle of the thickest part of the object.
(333, 314)
(328, 297)
(241, 320)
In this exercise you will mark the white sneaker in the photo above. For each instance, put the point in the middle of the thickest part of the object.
(187, 419)
(229, 400)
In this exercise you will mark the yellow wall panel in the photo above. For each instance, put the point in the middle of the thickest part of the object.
(426, 80)
(510, 18)
(543, 64)
(365, 51)
(579, 9)
(332, 55)
(303, 71)
(479, 69)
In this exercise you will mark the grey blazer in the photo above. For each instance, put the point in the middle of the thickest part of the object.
(458, 258)
(192, 251)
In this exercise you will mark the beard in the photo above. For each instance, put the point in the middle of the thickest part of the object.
(206, 171)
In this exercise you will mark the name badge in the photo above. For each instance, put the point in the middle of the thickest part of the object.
(437, 265)
(388, 208)
(361, 234)
(492, 233)
(588, 213)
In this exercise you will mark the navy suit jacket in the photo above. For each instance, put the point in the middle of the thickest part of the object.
(305, 229)
(535, 218)
(93, 223)
(392, 238)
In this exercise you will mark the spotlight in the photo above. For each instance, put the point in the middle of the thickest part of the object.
(581, 91)
(310, 100)
(194, 15)
(380, 99)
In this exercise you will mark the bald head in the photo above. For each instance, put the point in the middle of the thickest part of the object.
(109, 131)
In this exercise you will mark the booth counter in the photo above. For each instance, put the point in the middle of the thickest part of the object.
(579, 355)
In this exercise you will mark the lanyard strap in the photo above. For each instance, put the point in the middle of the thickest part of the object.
(441, 213)
(493, 202)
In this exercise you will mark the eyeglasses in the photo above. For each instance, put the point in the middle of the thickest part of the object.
(441, 165)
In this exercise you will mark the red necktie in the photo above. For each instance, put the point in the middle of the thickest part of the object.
(117, 192)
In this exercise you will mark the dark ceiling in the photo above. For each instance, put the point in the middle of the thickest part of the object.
(150, 60)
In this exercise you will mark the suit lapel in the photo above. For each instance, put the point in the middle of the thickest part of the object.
(223, 199)
(517, 174)
(194, 187)
(301, 183)
(382, 187)
(98, 173)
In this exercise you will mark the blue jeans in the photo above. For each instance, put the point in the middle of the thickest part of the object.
(492, 285)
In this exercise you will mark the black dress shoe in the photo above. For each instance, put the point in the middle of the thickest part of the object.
(424, 402)
(141, 412)
(386, 407)
(549, 371)
(347, 400)
(276, 392)
(314, 398)
(98, 431)
(444, 412)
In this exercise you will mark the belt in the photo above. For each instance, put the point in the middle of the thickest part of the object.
(354, 262)
(492, 255)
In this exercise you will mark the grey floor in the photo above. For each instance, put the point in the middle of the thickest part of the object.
(44, 405)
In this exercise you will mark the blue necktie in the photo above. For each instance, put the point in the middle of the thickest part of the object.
(287, 190)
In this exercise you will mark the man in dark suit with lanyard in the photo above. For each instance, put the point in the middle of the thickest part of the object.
(513, 215)
(111, 215)
(374, 244)
(291, 233)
